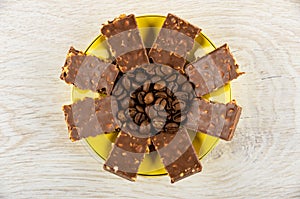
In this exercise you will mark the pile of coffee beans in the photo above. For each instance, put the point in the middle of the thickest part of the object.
(152, 99)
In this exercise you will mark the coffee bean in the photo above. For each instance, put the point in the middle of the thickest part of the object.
(182, 95)
(177, 117)
(146, 86)
(137, 118)
(132, 112)
(140, 76)
(176, 105)
(172, 78)
(140, 109)
(171, 127)
(173, 87)
(118, 90)
(131, 103)
(161, 95)
(166, 70)
(181, 79)
(160, 103)
(122, 96)
(158, 71)
(121, 115)
(151, 112)
(162, 113)
(158, 123)
(159, 85)
(132, 126)
(140, 97)
(145, 128)
(149, 98)
(126, 83)
(187, 87)
(133, 95)
(124, 104)
(155, 78)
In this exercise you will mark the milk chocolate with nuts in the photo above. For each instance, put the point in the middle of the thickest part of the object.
(125, 42)
(126, 156)
(175, 40)
(213, 70)
(88, 72)
(177, 153)
(89, 117)
(215, 119)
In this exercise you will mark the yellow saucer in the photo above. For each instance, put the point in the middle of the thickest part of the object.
(149, 26)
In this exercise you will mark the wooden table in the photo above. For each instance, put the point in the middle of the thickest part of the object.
(37, 160)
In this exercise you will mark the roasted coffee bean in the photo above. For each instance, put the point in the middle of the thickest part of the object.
(173, 87)
(166, 70)
(161, 95)
(158, 123)
(131, 103)
(143, 118)
(155, 78)
(132, 126)
(145, 128)
(132, 112)
(171, 78)
(151, 112)
(134, 85)
(192, 95)
(133, 95)
(187, 87)
(146, 86)
(160, 103)
(121, 115)
(149, 98)
(118, 90)
(140, 76)
(137, 118)
(122, 96)
(169, 92)
(159, 85)
(176, 105)
(182, 95)
(140, 109)
(171, 127)
(181, 79)
(140, 97)
(158, 71)
(126, 83)
(162, 113)
(124, 104)
(177, 117)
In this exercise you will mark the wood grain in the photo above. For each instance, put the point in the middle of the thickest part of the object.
(36, 157)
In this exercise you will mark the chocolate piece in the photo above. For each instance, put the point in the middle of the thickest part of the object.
(213, 70)
(126, 156)
(126, 43)
(88, 72)
(177, 153)
(214, 119)
(89, 117)
(175, 40)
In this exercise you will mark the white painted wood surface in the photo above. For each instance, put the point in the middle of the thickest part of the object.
(37, 160)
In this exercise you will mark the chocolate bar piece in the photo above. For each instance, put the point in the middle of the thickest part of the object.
(88, 72)
(177, 153)
(175, 40)
(213, 70)
(126, 156)
(125, 42)
(89, 117)
(214, 119)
